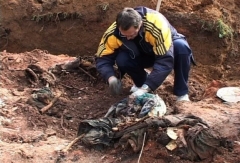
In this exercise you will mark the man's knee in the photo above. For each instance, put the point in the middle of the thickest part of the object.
(181, 47)
(124, 60)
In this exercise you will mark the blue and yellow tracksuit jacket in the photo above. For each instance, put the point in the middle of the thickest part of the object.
(156, 38)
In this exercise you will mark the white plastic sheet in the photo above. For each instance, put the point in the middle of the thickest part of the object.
(229, 94)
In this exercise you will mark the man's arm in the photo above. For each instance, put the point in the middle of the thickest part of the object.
(106, 53)
(160, 37)
(104, 66)
(161, 69)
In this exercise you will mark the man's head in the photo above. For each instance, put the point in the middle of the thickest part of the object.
(129, 22)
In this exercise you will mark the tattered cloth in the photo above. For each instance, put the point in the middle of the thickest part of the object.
(199, 141)
(146, 104)
(98, 131)
(40, 97)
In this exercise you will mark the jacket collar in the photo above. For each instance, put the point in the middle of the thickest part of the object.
(120, 36)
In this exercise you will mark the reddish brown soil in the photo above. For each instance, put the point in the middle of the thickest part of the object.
(28, 136)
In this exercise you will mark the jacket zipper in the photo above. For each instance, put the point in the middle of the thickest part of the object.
(132, 56)
(141, 44)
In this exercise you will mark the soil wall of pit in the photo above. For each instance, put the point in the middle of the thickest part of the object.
(72, 27)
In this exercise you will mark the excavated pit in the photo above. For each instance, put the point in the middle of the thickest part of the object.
(41, 30)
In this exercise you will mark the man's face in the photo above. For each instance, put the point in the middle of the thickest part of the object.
(131, 33)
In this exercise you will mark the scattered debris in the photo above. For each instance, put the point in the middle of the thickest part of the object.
(35, 74)
(189, 136)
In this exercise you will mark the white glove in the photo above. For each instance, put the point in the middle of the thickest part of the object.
(141, 91)
(134, 88)
(115, 85)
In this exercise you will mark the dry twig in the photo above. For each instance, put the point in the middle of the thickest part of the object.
(71, 144)
(45, 108)
(144, 137)
(71, 87)
(87, 73)
(62, 122)
(33, 78)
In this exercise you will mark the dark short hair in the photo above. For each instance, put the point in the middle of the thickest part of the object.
(127, 18)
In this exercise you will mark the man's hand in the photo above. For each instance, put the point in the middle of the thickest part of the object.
(141, 91)
(115, 85)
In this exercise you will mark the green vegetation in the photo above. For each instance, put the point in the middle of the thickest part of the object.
(104, 6)
(224, 30)
(54, 17)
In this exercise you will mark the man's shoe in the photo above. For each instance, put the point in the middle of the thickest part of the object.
(183, 98)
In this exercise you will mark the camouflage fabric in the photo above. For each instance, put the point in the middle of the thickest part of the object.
(40, 97)
(98, 131)
(134, 139)
(202, 142)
